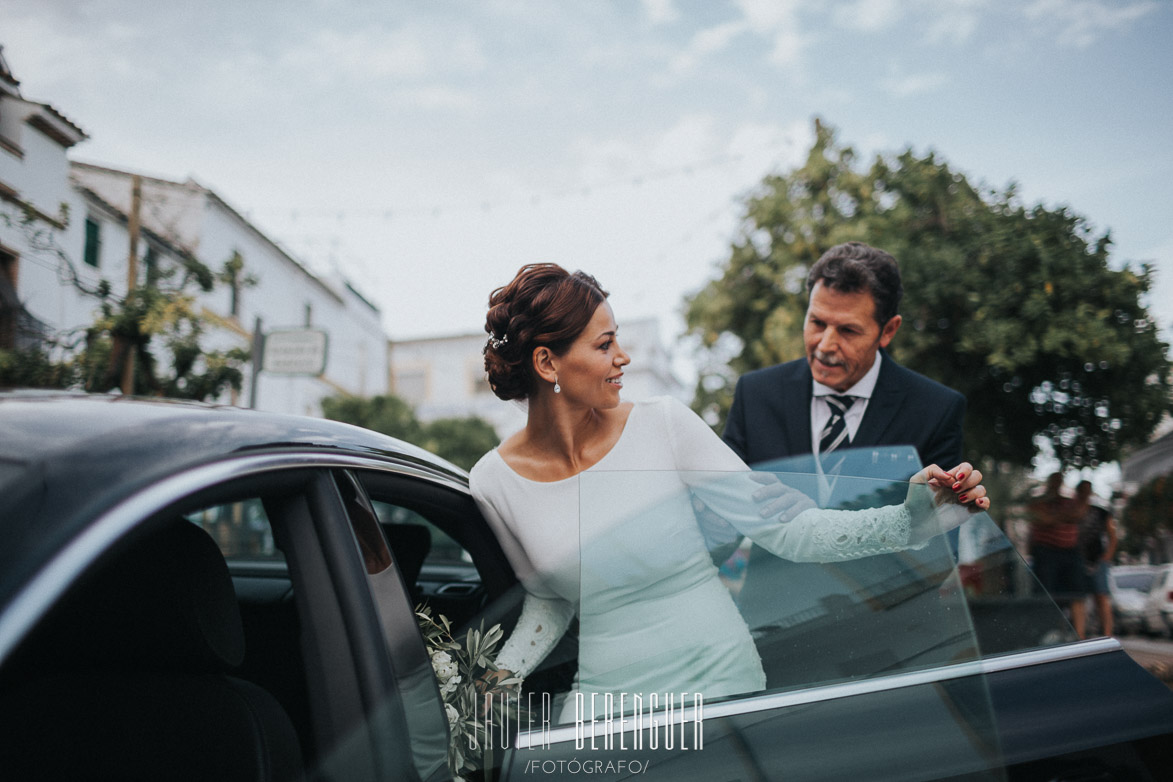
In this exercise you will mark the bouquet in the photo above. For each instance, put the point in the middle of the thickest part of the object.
(458, 668)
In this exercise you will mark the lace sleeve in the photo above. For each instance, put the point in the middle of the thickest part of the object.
(542, 623)
(821, 535)
(723, 485)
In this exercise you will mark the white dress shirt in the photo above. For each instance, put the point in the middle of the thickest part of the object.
(821, 408)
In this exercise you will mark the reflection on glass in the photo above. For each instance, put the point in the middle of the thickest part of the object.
(240, 529)
(672, 601)
(655, 616)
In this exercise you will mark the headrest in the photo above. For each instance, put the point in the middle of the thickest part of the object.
(163, 603)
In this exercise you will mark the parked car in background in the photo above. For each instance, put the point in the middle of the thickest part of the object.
(1130, 585)
(1159, 605)
(206, 593)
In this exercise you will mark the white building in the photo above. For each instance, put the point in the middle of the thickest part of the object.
(34, 186)
(286, 295)
(444, 377)
(65, 230)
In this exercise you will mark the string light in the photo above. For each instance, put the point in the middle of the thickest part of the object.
(437, 211)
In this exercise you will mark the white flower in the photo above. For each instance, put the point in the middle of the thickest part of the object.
(444, 667)
(452, 714)
(449, 687)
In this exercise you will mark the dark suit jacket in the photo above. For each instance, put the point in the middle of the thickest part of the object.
(771, 418)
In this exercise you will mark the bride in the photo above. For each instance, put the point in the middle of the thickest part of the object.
(654, 616)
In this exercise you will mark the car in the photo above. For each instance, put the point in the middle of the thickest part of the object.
(1159, 603)
(192, 591)
(1129, 586)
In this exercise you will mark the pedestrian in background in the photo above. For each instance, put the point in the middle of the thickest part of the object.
(1097, 543)
(1056, 558)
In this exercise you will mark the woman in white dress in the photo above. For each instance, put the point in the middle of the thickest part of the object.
(654, 616)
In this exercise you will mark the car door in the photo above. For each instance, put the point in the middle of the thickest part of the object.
(317, 624)
(938, 660)
(448, 557)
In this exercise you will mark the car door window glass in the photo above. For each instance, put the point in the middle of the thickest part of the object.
(442, 549)
(853, 580)
(241, 530)
(426, 722)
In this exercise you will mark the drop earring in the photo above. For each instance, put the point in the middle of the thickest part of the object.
(557, 388)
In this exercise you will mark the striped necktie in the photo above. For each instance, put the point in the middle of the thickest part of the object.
(834, 434)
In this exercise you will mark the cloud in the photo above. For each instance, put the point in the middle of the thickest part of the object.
(378, 54)
(705, 43)
(767, 16)
(909, 85)
(774, 21)
(660, 11)
(777, 21)
(868, 15)
(1080, 23)
(436, 97)
(789, 46)
(700, 144)
(51, 61)
(763, 148)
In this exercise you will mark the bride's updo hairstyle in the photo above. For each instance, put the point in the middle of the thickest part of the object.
(544, 305)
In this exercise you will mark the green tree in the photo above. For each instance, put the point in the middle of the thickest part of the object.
(387, 414)
(461, 441)
(1149, 512)
(1015, 306)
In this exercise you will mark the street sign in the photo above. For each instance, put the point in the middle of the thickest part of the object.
(294, 352)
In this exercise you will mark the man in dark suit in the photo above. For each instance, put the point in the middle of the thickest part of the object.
(855, 293)
(846, 393)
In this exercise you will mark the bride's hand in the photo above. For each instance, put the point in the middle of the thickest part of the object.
(500, 680)
(491, 684)
(962, 485)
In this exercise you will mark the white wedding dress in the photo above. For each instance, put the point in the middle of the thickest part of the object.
(620, 545)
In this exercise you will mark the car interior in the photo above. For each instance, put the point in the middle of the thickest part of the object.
(182, 652)
(135, 676)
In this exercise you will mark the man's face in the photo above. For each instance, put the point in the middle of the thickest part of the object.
(842, 336)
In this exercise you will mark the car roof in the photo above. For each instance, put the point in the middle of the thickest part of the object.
(67, 457)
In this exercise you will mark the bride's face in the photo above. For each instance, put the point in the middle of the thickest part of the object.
(591, 371)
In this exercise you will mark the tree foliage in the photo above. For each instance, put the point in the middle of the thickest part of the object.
(1150, 510)
(461, 441)
(1016, 306)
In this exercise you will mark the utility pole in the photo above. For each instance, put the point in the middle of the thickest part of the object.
(136, 199)
(257, 361)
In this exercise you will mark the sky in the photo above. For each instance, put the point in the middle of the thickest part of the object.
(426, 150)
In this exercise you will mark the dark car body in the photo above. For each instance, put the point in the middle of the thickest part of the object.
(132, 647)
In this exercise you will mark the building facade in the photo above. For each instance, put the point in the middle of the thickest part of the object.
(35, 200)
(65, 233)
(272, 289)
(444, 377)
